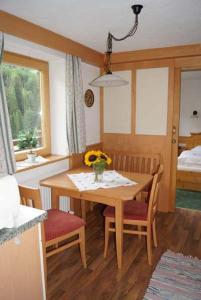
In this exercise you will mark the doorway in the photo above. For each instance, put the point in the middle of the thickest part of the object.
(188, 139)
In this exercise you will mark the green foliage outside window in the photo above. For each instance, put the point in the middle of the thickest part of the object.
(22, 87)
(27, 140)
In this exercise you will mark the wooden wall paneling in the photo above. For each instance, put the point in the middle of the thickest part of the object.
(157, 53)
(145, 143)
(26, 30)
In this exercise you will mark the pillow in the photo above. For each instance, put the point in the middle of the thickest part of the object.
(186, 153)
(196, 151)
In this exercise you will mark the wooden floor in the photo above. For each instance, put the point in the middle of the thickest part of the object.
(67, 280)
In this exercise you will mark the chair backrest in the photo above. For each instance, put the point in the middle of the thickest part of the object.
(134, 162)
(30, 197)
(153, 199)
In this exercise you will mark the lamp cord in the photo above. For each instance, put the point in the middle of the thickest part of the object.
(131, 32)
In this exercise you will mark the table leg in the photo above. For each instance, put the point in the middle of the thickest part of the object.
(83, 209)
(54, 198)
(119, 232)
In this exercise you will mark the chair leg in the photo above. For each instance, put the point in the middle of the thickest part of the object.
(139, 228)
(154, 233)
(107, 225)
(149, 245)
(82, 246)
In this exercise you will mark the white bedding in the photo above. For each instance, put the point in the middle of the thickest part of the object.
(189, 160)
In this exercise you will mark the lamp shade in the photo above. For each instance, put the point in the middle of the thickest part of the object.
(108, 80)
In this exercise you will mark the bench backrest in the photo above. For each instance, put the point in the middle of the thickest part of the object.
(134, 162)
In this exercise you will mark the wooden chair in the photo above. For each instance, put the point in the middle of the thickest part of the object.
(139, 214)
(58, 227)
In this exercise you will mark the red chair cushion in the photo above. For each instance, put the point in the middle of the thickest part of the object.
(60, 223)
(133, 210)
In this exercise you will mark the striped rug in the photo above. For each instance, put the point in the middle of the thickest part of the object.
(176, 277)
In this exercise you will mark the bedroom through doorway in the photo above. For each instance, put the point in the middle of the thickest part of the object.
(188, 175)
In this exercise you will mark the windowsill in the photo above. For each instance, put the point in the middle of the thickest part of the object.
(51, 159)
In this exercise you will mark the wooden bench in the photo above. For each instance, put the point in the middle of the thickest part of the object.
(134, 162)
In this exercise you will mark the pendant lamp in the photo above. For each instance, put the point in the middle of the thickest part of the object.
(108, 79)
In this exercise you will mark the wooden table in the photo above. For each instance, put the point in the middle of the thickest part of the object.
(61, 185)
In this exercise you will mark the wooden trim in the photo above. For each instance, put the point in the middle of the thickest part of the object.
(157, 53)
(21, 28)
(25, 61)
(175, 125)
(188, 63)
(143, 64)
(133, 102)
(43, 67)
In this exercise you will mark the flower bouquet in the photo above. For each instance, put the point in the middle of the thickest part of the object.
(98, 160)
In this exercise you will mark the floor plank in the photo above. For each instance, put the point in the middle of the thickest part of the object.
(68, 280)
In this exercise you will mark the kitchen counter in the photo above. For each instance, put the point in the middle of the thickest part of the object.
(27, 218)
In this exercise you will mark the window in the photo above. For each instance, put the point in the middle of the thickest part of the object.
(26, 83)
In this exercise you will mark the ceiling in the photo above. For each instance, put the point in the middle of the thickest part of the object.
(161, 23)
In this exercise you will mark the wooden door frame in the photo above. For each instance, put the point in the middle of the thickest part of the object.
(175, 127)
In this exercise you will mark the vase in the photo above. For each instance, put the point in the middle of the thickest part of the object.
(99, 169)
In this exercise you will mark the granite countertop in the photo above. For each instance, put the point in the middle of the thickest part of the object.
(27, 218)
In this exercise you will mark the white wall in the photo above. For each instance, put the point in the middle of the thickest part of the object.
(33, 176)
(92, 114)
(56, 62)
(152, 101)
(117, 106)
(190, 101)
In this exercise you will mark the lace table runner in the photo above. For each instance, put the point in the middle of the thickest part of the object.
(86, 181)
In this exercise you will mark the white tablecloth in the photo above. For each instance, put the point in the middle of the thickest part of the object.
(111, 179)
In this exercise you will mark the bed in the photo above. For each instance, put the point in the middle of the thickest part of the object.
(189, 164)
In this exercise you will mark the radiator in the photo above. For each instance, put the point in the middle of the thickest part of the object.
(64, 202)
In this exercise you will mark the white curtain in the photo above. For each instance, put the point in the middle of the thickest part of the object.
(7, 160)
(75, 116)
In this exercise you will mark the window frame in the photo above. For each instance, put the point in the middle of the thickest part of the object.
(43, 68)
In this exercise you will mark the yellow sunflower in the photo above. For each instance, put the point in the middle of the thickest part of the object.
(104, 156)
(90, 157)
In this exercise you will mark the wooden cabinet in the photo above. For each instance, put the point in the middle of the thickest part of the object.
(21, 267)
